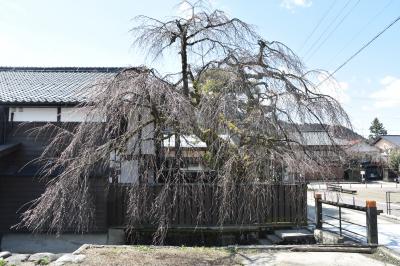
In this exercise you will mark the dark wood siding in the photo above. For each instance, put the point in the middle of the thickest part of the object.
(19, 163)
(198, 205)
(16, 192)
(3, 122)
(19, 182)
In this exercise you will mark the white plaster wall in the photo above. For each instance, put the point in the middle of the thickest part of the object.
(129, 168)
(30, 114)
(148, 146)
(79, 114)
(129, 172)
(71, 114)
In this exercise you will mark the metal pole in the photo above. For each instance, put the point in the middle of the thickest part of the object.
(340, 221)
(388, 202)
(354, 201)
(372, 222)
(387, 207)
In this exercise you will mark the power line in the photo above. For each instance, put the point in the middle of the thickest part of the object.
(327, 28)
(334, 29)
(318, 24)
(360, 50)
(361, 30)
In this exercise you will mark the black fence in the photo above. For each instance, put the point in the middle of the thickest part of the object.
(196, 205)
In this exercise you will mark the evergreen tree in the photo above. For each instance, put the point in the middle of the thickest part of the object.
(376, 129)
(394, 160)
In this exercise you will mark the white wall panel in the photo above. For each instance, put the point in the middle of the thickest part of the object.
(31, 114)
(71, 114)
(81, 114)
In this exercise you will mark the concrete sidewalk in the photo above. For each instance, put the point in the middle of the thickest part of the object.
(283, 258)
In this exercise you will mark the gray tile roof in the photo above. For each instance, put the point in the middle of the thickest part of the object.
(54, 85)
(395, 139)
(320, 138)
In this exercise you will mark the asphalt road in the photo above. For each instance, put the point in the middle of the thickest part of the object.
(371, 191)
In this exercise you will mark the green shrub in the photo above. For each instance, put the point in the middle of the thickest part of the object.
(394, 160)
(43, 261)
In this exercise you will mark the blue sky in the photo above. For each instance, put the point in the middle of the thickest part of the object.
(96, 33)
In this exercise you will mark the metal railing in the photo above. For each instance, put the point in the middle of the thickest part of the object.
(389, 202)
(370, 210)
(341, 220)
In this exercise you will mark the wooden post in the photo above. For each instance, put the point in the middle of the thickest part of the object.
(372, 222)
(318, 211)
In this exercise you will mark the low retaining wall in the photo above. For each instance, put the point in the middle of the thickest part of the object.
(65, 243)
(325, 237)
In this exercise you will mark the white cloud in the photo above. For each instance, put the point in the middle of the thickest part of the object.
(389, 95)
(291, 4)
(335, 89)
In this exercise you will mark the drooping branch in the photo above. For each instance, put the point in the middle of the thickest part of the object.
(237, 106)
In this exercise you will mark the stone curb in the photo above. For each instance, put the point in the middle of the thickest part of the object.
(4, 254)
(347, 248)
(82, 248)
(391, 253)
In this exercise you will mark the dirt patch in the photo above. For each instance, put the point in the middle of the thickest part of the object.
(150, 255)
(147, 255)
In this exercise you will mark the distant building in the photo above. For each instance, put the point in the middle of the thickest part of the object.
(387, 143)
(346, 154)
(362, 158)
(362, 150)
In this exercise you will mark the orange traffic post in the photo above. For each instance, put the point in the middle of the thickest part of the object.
(372, 222)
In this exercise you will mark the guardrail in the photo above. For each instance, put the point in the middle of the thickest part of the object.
(370, 210)
(340, 189)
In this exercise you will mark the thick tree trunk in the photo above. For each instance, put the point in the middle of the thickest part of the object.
(184, 62)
